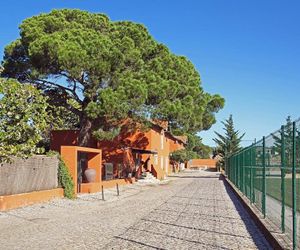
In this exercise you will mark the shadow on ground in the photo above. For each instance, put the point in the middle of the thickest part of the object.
(246, 218)
(204, 214)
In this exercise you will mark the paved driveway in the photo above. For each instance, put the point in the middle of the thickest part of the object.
(194, 211)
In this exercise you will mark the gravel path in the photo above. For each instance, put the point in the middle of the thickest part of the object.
(193, 211)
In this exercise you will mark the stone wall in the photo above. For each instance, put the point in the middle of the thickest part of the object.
(27, 175)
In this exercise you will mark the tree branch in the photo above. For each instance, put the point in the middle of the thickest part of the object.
(65, 89)
(62, 101)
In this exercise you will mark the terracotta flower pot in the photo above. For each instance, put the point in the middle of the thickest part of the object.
(90, 174)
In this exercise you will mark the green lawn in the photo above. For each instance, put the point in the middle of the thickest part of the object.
(274, 190)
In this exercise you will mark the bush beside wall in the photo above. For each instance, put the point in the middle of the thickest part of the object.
(65, 180)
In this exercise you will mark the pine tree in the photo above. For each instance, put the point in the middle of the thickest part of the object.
(288, 141)
(228, 143)
(101, 72)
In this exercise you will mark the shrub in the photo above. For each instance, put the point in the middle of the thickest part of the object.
(23, 118)
(64, 177)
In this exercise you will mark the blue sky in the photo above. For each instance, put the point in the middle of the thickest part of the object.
(247, 51)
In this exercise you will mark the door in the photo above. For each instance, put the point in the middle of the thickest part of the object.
(81, 167)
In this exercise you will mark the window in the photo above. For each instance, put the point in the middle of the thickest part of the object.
(155, 160)
(167, 164)
(162, 140)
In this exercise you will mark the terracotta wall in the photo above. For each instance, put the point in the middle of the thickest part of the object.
(175, 145)
(113, 150)
(66, 138)
(69, 155)
(202, 163)
(8, 202)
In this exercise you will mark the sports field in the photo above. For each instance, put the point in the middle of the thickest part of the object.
(273, 186)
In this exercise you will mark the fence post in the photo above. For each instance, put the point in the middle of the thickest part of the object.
(248, 187)
(253, 172)
(118, 191)
(235, 171)
(102, 193)
(232, 169)
(244, 173)
(248, 174)
(264, 178)
(294, 189)
(228, 167)
(225, 164)
(240, 172)
(282, 180)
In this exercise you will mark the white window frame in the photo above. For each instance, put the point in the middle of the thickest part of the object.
(156, 159)
(167, 163)
(162, 140)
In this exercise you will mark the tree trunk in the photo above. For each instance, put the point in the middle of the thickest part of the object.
(85, 132)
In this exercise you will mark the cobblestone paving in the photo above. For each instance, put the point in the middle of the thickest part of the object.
(194, 211)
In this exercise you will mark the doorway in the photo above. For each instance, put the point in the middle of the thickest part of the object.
(81, 167)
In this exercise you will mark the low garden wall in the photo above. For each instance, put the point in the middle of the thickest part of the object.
(27, 175)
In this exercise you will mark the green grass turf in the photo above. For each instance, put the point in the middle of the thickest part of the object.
(273, 186)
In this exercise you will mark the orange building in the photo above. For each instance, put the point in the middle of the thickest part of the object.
(149, 150)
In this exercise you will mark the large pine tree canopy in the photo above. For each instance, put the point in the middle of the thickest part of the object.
(104, 71)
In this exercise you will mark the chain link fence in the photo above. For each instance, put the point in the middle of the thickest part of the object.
(268, 174)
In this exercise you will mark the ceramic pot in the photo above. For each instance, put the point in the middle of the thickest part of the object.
(90, 174)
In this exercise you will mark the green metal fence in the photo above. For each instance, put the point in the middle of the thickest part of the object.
(268, 174)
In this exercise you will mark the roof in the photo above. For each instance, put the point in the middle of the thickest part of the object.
(164, 126)
(182, 138)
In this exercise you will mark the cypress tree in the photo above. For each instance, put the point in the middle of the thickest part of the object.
(228, 143)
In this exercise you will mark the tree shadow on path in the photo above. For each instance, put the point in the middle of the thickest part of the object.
(251, 227)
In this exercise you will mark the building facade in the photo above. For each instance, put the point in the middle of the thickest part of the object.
(150, 150)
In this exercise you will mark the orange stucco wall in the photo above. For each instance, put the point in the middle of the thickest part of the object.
(8, 202)
(69, 155)
(60, 138)
(97, 187)
(175, 145)
(201, 163)
(113, 150)
(113, 183)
